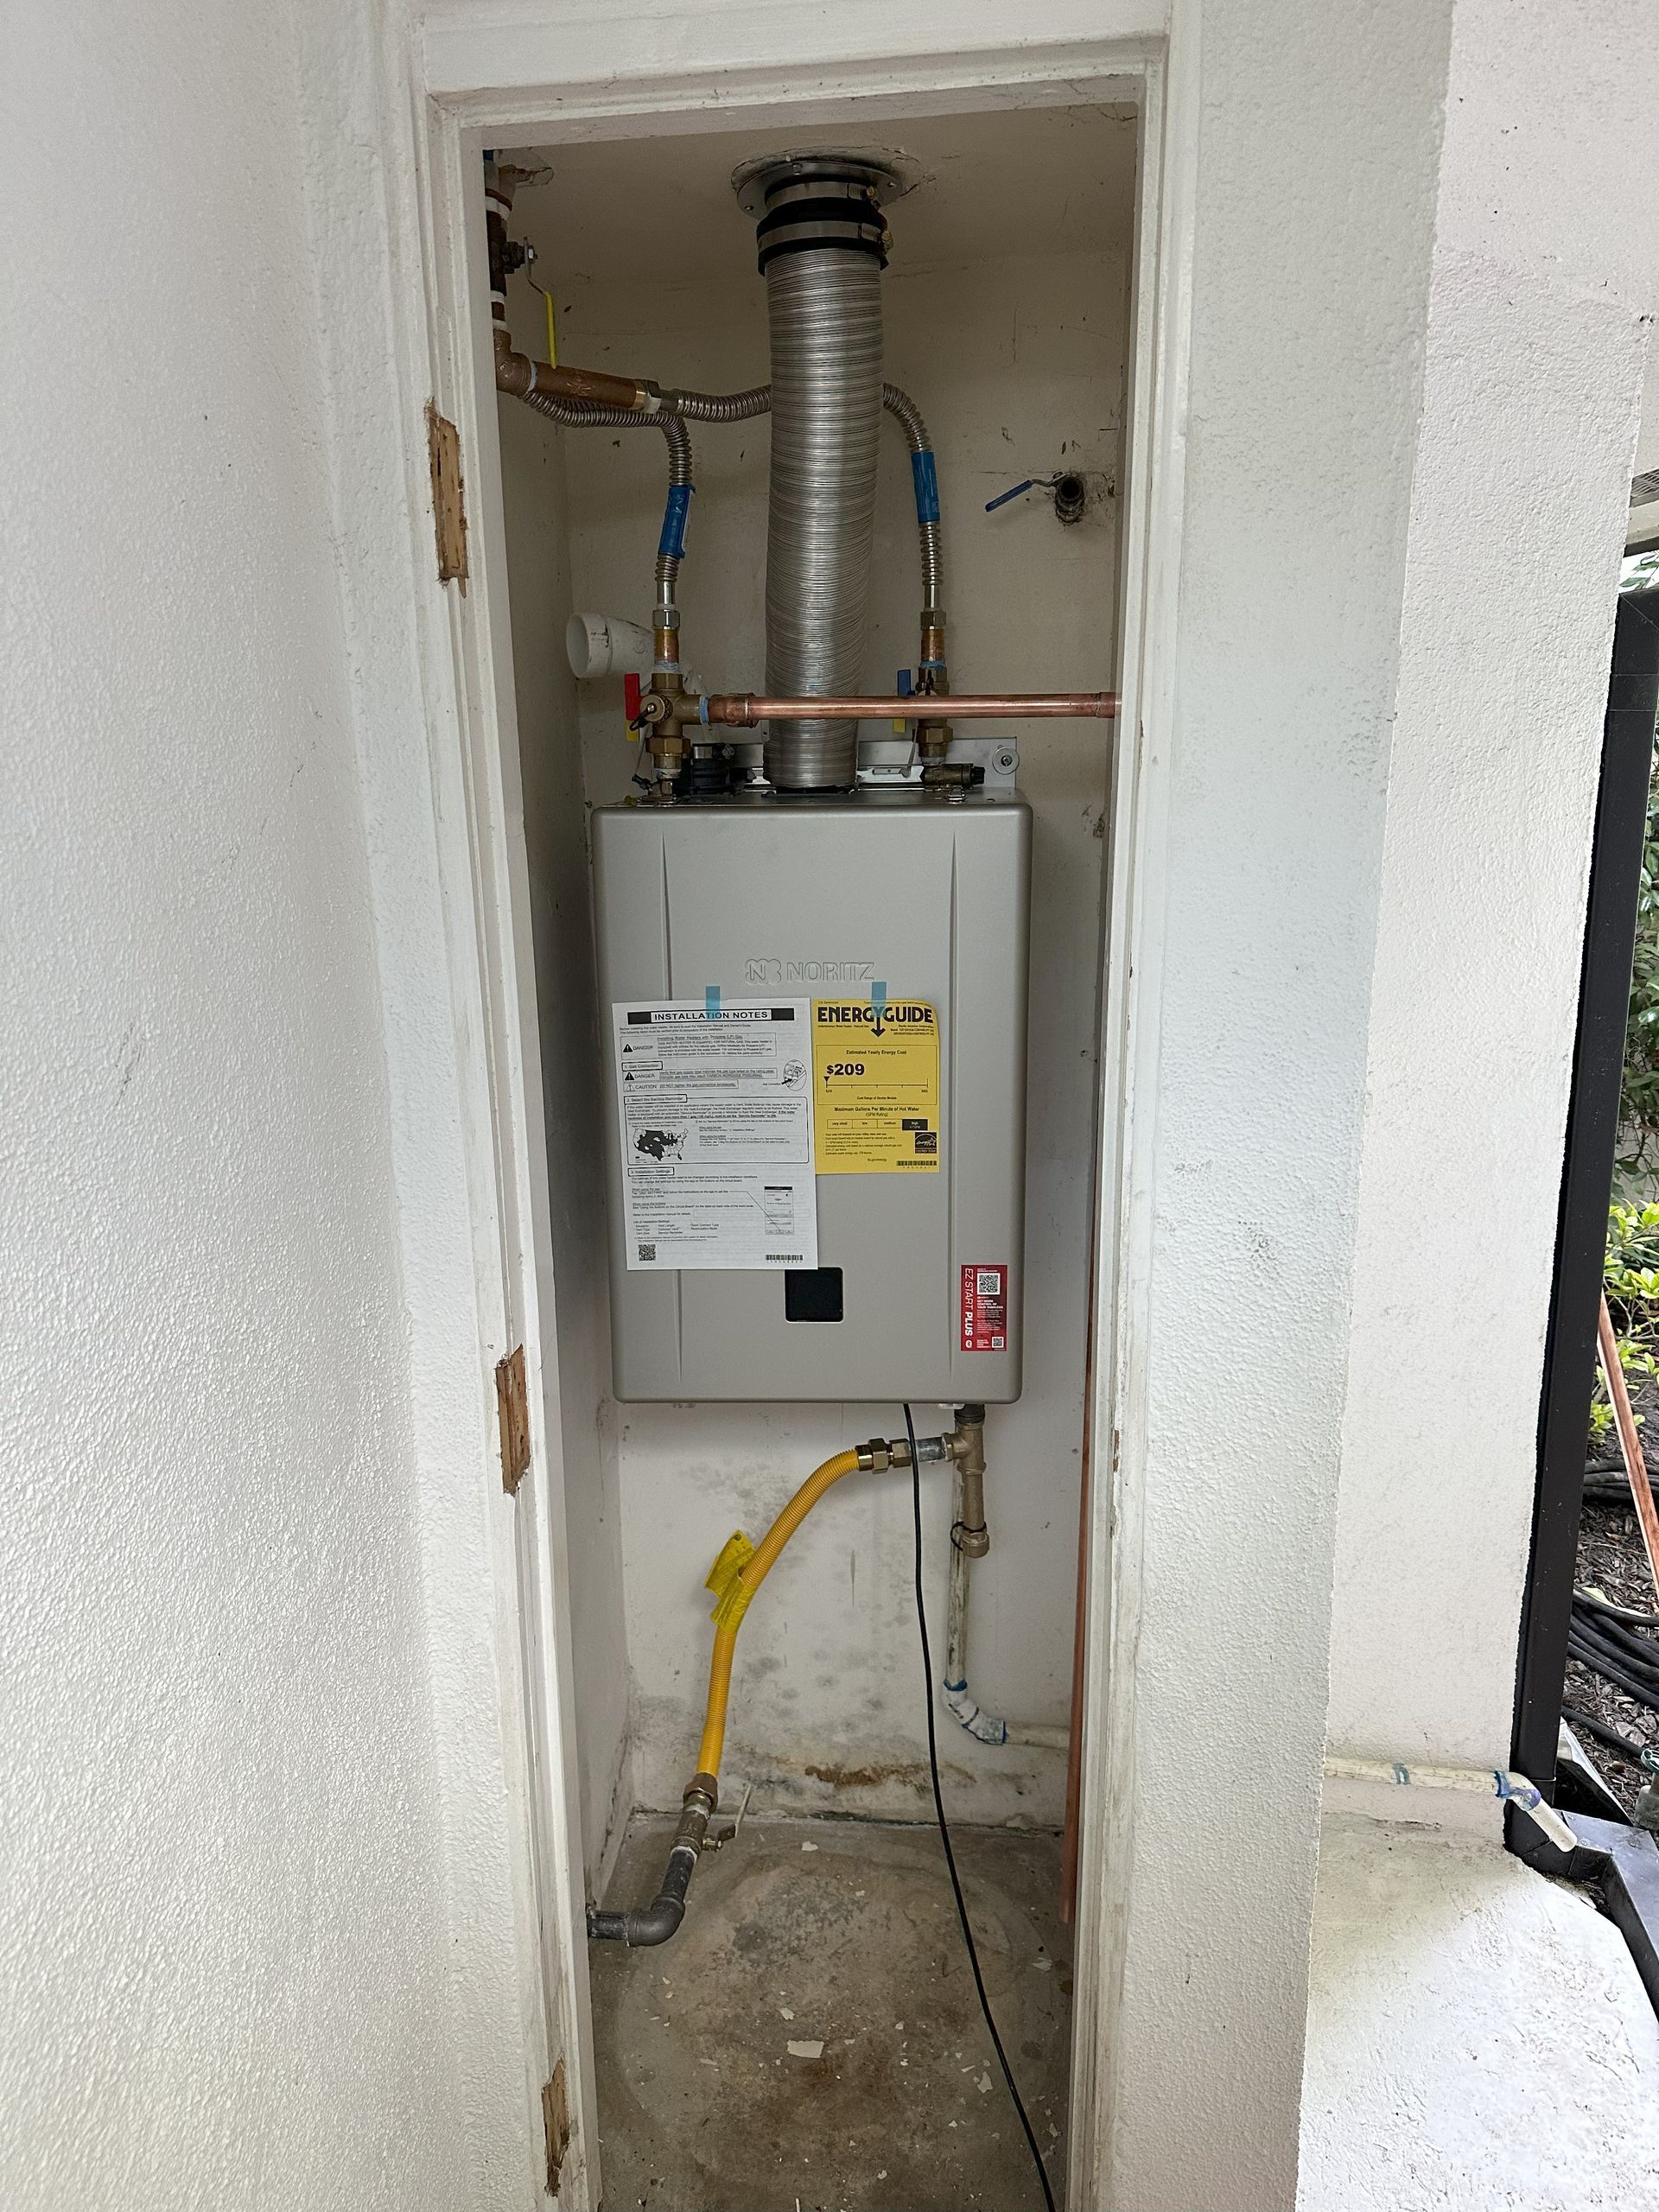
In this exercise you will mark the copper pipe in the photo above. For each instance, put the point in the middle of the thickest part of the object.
(744, 710)
(519, 374)
(1629, 1442)
(1072, 1838)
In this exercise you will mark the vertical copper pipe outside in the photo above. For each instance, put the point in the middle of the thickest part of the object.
(1629, 1441)
(1069, 1841)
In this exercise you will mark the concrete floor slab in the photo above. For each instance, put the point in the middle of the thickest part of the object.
(1477, 2037)
(811, 2035)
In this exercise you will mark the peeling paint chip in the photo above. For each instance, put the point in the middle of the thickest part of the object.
(813, 2049)
(809, 1846)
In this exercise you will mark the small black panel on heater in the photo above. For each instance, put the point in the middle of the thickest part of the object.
(812, 1294)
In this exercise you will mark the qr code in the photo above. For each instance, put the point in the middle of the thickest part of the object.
(988, 1281)
(647, 1251)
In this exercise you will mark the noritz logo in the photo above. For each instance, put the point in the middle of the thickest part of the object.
(772, 973)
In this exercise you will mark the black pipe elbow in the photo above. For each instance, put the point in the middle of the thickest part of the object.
(657, 1921)
(652, 1923)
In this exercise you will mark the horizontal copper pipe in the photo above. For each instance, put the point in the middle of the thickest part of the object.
(743, 710)
(519, 374)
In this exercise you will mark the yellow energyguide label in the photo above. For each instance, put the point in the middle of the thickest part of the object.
(875, 1084)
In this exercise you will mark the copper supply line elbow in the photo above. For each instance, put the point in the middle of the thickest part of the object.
(742, 710)
(526, 379)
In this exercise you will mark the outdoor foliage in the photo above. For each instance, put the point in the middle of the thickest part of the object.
(1638, 1105)
(1631, 1279)
(1631, 1282)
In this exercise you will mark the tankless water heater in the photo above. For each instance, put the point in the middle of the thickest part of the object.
(813, 1020)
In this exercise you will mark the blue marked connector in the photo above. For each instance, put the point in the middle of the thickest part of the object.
(671, 544)
(927, 476)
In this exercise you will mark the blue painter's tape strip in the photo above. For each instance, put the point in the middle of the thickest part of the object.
(878, 1004)
(671, 544)
(711, 1001)
(927, 486)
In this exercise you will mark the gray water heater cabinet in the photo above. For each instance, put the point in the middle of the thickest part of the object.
(919, 1287)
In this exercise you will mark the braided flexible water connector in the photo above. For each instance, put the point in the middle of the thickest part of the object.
(908, 416)
(573, 417)
(674, 408)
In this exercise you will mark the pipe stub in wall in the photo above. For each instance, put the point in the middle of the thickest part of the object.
(606, 645)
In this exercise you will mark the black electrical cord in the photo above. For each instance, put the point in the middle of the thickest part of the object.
(944, 1827)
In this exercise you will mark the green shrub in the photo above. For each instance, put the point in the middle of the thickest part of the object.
(1631, 1282)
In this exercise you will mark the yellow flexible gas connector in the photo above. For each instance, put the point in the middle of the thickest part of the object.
(737, 1585)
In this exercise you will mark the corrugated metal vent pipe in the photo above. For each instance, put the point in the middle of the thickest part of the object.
(823, 241)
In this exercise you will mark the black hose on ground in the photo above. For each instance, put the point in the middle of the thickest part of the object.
(1599, 1664)
(1603, 1647)
(1639, 1651)
(1588, 1724)
(1595, 1604)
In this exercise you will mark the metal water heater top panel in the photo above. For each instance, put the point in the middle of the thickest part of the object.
(821, 900)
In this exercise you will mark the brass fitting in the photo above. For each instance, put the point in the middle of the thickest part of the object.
(882, 1452)
(669, 714)
(933, 682)
(967, 1441)
(696, 1809)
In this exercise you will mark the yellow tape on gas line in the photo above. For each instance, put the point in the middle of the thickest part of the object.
(875, 1087)
(731, 1597)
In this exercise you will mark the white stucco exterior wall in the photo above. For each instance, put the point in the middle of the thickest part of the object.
(1545, 273)
(1313, 172)
(229, 1937)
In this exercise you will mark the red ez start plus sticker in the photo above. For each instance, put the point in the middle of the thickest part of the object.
(984, 1309)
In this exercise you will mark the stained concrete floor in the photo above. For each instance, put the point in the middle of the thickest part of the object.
(838, 1938)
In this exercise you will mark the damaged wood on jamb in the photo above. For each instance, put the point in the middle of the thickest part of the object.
(448, 503)
(512, 1405)
(556, 2119)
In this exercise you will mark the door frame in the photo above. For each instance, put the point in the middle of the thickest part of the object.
(458, 84)
(1592, 1137)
